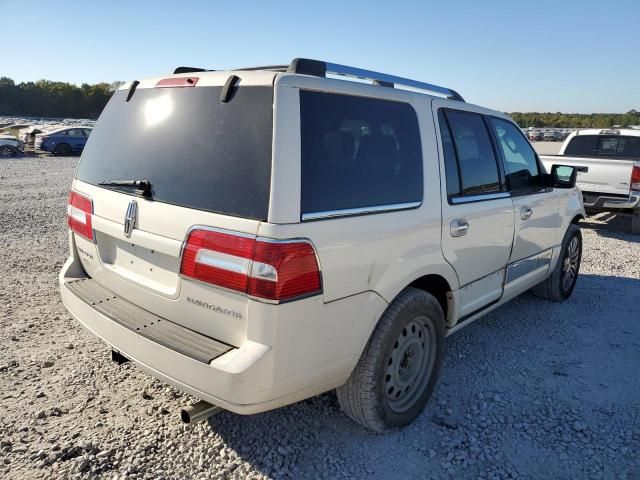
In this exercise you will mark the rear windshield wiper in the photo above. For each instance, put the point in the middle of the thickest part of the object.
(141, 187)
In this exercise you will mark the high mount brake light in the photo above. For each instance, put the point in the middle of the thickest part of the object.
(177, 82)
(273, 270)
(635, 178)
(79, 211)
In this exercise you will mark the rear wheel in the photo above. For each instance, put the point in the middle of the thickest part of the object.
(6, 151)
(62, 149)
(399, 368)
(560, 284)
(635, 222)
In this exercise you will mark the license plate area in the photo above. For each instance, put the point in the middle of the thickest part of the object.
(147, 267)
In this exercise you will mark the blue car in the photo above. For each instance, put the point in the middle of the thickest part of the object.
(63, 141)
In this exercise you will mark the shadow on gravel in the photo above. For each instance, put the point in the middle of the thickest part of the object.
(529, 387)
(616, 226)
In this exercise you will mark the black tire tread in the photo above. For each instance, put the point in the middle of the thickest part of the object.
(357, 396)
(550, 289)
(635, 223)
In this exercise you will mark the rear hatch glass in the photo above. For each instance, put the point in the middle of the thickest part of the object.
(196, 151)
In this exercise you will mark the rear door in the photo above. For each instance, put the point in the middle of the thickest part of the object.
(477, 212)
(76, 139)
(537, 218)
(209, 166)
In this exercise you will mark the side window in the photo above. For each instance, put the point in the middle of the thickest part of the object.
(358, 152)
(452, 174)
(629, 147)
(476, 159)
(74, 132)
(86, 132)
(521, 165)
(582, 145)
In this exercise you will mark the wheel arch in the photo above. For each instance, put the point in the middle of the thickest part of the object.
(440, 288)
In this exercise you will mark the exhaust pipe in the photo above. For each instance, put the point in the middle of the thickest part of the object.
(198, 412)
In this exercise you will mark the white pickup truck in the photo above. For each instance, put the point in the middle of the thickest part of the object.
(610, 179)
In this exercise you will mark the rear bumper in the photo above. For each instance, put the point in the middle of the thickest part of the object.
(594, 201)
(309, 348)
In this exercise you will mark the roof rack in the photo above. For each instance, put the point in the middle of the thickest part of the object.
(190, 70)
(319, 68)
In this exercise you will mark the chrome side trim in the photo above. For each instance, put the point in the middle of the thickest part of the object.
(478, 198)
(527, 265)
(359, 211)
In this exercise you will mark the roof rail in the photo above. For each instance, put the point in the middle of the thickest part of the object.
(319, 68)
(189, 70)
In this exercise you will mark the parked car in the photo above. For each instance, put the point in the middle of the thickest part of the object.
(10, 146)
(14, 129)
(325, 234)
(552, 136)
(536, 136)
(63, 141)
(610, 176)
(28, 135)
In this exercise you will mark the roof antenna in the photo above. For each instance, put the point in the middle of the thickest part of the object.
(228, 89)
(132, 89)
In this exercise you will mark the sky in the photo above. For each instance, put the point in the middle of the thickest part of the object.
(534, 55)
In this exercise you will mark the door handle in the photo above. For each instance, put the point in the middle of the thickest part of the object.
(525, 213)
(459, 227)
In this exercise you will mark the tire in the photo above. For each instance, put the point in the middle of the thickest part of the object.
(62, 149)
(6, 151)
(635, 223)
(560, 284)
(399, 367)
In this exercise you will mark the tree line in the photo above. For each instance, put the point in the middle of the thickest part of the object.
(577, 120)
(45, 98)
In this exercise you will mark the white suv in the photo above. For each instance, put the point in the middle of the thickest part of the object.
(260, 236)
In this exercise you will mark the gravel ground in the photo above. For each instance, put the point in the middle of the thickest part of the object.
(547, 148)
(533, 390)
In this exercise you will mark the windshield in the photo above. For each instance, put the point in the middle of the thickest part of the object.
(195, 151)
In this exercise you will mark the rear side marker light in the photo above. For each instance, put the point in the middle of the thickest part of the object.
(79, 211)
(635, 178)
(272, 270)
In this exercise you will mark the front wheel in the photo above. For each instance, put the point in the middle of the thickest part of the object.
(560, 284)
(399, 368)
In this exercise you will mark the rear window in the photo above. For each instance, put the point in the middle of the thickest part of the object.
(604, 146)
(358, 152)
(194, 150)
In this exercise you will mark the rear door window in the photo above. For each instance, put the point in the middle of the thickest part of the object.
(196, 151)
(358, 153)
(476, 160)
(452, 174)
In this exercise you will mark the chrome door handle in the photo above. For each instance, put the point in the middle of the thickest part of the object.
(525, 213)
(459, 227)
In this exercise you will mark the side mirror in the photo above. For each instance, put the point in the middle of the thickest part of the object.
(561, 176)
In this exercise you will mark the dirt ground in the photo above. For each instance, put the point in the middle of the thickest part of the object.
(533, 390)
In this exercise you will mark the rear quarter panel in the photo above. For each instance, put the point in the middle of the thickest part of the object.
(381, 252)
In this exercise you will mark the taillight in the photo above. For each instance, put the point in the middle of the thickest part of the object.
(635, 178)
(79, 210)
(273, 270)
